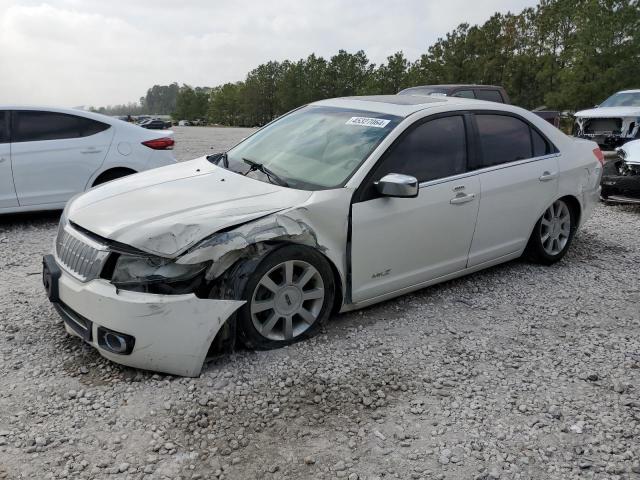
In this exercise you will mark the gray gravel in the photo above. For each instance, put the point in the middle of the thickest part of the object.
(517, 372)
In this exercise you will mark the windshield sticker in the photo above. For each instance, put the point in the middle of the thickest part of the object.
(368, 122)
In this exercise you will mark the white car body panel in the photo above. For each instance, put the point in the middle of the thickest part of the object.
(47, 173)
(390, 253)
(8, 198)
(379, 248)
(513, 191)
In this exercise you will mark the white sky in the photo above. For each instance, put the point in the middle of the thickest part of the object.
(100, 52)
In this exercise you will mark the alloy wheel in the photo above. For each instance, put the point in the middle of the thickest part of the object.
(287, 300)
(555, 228)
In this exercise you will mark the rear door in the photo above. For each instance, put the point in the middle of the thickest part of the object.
(401, 242)
(54, 154)
(518, 170)
(7, 190)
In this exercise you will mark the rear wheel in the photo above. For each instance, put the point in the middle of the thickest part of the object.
(552, 234)
(289, 296)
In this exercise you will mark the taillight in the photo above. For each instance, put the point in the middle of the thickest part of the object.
(599, 155)
(165, 143)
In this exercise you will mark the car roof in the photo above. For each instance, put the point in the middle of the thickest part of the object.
(455, 85)
(400, 105)
(71, 111)
(633, 90)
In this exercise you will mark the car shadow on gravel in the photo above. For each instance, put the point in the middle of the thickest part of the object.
(12, 220)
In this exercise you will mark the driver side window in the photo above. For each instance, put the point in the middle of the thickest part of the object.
(429, 151)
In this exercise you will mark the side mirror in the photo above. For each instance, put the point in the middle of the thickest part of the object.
(397, 185)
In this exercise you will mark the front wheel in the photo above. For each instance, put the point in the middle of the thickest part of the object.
(289, 297)
(552, 234)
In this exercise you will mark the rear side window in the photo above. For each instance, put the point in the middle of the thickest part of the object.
(503, 139)
(464, 94)
(33, 126)
(490, 95)
(4, 126)
(540, 145)
(435, 149)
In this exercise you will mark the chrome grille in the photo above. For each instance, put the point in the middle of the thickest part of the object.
(79, 255)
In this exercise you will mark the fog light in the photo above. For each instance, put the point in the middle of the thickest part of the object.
(115, 342)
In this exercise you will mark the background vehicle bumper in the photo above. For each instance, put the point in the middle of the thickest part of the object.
(172, 332)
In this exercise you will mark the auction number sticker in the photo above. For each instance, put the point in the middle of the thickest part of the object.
(368, 122)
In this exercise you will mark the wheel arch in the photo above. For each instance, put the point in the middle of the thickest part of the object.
(575, 206)
(112, 173)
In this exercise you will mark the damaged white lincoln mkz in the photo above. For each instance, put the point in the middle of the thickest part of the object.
(332, 207)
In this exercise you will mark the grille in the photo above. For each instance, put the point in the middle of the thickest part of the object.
(603, 125)
(81, 256)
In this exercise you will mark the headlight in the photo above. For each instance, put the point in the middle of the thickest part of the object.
(132, 270)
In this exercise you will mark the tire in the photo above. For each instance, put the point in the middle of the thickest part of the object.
(114, 174)
(276, 312)
(552, 234)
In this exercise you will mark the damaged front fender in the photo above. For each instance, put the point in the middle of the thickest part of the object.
(226, 248)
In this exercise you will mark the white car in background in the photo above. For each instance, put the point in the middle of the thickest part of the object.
(332, 207)
(48, 155)
(612, 123)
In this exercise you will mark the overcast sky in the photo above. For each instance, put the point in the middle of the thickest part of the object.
(100, 52)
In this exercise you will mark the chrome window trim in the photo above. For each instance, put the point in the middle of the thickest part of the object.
(492, 168)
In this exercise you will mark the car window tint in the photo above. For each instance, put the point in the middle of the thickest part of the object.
(540, 145)
(503, 139)
(4, 130)
(464, 94)
(31, 126)
(435, 149)
(490, 95)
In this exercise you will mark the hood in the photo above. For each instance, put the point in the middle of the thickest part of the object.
(609, 112)
(167, 210)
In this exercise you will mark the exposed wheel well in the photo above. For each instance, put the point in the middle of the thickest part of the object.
(574, 205)
(112, 174)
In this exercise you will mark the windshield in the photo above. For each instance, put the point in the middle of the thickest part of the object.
(313, 148)
(622, 99)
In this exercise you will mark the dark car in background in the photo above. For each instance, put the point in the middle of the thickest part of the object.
(490, 93)
(155, 125)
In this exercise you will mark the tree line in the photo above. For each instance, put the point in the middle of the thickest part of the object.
(563, 54)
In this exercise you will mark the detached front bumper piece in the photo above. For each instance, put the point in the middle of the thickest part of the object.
(164, 333)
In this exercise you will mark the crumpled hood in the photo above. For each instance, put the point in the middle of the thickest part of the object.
(167, 210)
(609, 112)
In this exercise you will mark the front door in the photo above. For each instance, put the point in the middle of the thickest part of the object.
(55, 154)
(398, 243)
(7, 190)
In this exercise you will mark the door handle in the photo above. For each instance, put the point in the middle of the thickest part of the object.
(92, 150)
(546, 176)
(464, 198)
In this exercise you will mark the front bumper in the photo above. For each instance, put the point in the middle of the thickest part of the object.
(172, 332)
(619, 188)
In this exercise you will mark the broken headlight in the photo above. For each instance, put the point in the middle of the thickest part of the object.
(137, 270)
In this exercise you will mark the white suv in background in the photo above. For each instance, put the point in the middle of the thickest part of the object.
(47, 155)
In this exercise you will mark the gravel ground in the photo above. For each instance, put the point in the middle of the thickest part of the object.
(517, 372)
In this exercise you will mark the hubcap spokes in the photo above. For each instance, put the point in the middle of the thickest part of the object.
(555, 228)
(287, 300)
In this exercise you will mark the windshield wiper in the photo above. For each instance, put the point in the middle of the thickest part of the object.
(220, 156)
(273, 177)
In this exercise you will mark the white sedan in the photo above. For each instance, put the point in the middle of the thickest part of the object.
(337, 205)
(48, 155)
